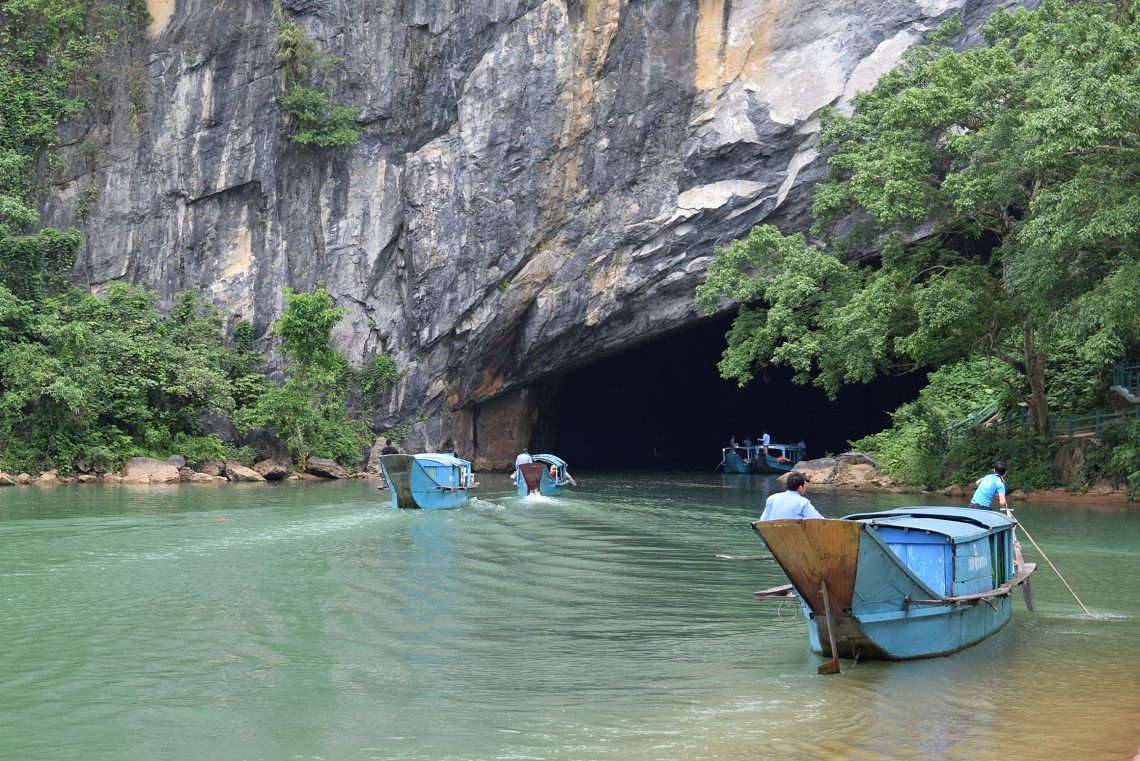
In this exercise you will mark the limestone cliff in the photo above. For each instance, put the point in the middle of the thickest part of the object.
(539, 183)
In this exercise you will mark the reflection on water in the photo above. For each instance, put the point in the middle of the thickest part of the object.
(315, 621)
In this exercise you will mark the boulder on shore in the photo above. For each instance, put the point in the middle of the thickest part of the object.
(147, 470)
(817, 471)
(271, 470)
(325, 468)
(235, 471)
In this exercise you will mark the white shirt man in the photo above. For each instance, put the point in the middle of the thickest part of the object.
(791, 503)
(523, 458)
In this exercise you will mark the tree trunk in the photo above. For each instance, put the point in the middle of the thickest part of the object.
(1035, 375)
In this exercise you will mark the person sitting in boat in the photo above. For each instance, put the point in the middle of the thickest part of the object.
(791, 503)
(747, 441)
(523, 458)
(990, 486)
(388, 448)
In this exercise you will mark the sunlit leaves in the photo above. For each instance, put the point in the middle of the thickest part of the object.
(1001, 186)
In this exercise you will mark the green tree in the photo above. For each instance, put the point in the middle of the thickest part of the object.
(1000, 190)
(309, 410)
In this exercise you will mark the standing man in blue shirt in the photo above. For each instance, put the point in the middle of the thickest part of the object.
(990, 486)
(791, 503)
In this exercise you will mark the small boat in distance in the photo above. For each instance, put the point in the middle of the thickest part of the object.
(777, 458)
(431, 481)
(546, 474)
(914, 582)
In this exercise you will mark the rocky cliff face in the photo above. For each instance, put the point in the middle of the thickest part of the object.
(539, 182)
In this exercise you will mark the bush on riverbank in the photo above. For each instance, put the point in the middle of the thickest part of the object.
(89, 382)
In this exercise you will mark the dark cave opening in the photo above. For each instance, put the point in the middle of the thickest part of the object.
(665, 406)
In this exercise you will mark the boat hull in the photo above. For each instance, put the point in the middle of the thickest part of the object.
(426, 482)
(545, 475)
(778, 458)
(736, 460)
(879, 608)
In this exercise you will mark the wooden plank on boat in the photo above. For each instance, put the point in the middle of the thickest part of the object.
(813, 549)
(398, 467)
(782, 592)
(745, 557)
(1002, 591)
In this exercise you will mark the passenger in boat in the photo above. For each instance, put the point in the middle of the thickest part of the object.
(990, 486)
(388, 448)
(732, 442)
(523, 458)
(791, 503)
(747, 441)
(765, 440)
(802, 447)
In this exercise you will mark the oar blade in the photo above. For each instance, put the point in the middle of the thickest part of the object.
(831, 667)
(1027, 595)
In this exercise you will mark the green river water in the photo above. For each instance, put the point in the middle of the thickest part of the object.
(314, 621)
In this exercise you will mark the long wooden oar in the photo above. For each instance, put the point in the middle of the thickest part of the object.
(832, 666)
(1050, 562)
(1026, 590)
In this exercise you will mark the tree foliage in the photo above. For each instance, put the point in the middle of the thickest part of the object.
(309, 410)
(1000, 190)
(99, 380)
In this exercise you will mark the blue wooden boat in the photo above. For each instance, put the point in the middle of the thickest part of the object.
(915, 582)
(779, 458)
(546, 474)
(736, 459)
(431, 481)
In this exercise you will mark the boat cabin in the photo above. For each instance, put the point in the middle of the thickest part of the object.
(954, 551)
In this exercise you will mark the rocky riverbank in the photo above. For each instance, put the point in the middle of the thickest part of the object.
(854, 470)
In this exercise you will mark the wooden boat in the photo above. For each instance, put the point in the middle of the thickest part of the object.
(430, 481)
(779, 458)
(915, 582)
(546, 475)
(737, 459)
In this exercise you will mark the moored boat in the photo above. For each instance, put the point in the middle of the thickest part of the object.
(775, 458)
(432, 480)
(914, 582)
(546, 474)
(736, 459)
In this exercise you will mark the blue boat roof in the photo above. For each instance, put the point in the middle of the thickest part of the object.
(441, 458)
(953, 522)
(552, 459)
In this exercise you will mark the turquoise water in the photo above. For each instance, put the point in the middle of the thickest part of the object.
(316, 622)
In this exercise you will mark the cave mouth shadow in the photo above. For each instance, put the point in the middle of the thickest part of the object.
(664, 406)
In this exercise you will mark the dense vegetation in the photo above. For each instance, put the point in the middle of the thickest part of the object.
(993, 198)
(89, 381)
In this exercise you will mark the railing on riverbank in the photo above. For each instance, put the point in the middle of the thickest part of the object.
(1067, 427)
(981, 417)
(1126, 382)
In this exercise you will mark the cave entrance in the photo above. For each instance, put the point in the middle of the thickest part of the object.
(664, 405)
